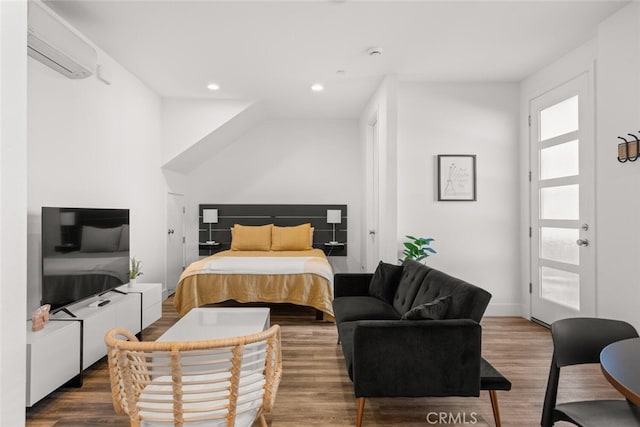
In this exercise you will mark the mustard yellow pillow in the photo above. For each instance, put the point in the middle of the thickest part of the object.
(251, 238)
(296, 238)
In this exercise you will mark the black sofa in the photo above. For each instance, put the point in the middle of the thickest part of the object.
(390, 356)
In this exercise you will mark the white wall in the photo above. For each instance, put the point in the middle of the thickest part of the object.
(382, 108)
(187, 121)
(96, 145)
(476, 241)
(13, 210)
(618, 185)
(285, 162)
(615, 51)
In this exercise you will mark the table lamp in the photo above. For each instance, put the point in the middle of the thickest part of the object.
(210, 216)
(334, 216)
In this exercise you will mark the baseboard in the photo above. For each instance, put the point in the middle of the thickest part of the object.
(504, 309)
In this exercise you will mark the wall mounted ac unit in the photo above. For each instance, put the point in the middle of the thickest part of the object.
(51, 42)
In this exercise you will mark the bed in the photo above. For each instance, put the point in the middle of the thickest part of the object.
(265, 264)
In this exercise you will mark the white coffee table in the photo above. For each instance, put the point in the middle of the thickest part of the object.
(208, 323)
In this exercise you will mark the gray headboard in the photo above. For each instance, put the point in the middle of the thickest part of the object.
(281, 215)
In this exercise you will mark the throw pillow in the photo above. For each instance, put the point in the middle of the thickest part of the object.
(251, 237)
(385, 280)
(434, 310)
(297, 238)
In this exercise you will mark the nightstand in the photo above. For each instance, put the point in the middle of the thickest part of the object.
(334, 248)
(212, 247)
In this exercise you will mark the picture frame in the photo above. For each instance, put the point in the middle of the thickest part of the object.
(457, 177)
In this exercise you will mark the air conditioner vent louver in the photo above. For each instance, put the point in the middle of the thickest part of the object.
(51, 42)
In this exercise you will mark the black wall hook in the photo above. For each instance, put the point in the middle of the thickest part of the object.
(637, 148)
(626, 150)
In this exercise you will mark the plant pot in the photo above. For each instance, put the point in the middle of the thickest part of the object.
(132, 282)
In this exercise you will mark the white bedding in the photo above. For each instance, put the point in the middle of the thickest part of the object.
(271, 265)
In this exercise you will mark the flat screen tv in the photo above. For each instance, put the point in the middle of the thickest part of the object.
(85, 252)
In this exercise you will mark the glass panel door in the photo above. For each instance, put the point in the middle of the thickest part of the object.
(562, 261)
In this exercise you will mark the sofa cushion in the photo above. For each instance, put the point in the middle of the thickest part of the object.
(434, 310)
(467, 301)
(385, 281)
(346, 309)
(413, 275)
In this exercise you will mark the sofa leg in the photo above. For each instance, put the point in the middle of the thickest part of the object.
(494, 405)
(360, 411)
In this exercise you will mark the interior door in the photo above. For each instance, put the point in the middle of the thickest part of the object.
(562, 202)
(373, 190)
(175, 262)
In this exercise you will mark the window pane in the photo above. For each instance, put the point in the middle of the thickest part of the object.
(559, 161)
(559, 119)
(560, 286)
(559, 244)
(560, 202)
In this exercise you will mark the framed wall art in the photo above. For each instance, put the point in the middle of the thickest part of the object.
(457, 177)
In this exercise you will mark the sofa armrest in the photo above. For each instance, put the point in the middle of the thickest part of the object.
(351, 284)
(417, 358)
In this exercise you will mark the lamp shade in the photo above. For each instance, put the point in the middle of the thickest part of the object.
(334, 216)
(67, 218)
(210, 216)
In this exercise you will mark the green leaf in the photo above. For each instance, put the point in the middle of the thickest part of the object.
(410, 246)
(417, 248)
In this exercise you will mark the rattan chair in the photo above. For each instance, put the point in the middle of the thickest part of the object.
(224, 382)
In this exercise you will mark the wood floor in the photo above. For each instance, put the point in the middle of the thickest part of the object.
(316, 391)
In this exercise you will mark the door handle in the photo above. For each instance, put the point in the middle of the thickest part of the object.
(582, 242)
(372, 232)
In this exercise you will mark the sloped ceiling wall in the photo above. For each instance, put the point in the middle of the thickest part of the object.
(197, 130)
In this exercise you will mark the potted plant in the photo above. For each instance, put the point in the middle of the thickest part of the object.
(135, 270)
(417, 248)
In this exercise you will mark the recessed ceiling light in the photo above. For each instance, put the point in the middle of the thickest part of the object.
(317, 87)
(213, 86)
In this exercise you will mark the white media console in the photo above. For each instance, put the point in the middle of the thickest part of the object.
(67, 345)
